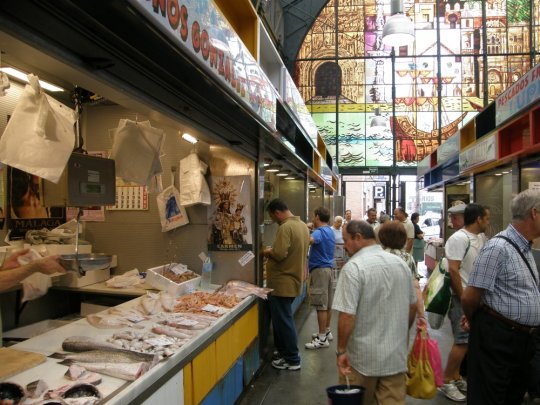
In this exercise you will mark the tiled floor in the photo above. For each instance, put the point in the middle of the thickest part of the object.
(308, 386)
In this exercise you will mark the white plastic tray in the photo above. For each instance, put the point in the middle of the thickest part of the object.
(155, 278)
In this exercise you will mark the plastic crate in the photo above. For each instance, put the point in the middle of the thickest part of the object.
(155, 278)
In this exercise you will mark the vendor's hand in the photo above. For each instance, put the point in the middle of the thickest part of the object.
(343, 364)
(47, 265)
(464, 323)
(11, 261)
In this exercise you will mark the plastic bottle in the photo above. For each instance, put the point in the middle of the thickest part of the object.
(206, 279)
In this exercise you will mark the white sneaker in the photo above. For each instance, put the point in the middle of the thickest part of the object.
(281, 364)
(329, 335)
(316, 343)
(461, 385)
(452, 392)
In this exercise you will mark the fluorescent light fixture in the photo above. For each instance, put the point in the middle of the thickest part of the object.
(189, 138)
(290, 177)
(283, 173)
(505, 172)
(498, 174)
(23, 77)
(273, 168)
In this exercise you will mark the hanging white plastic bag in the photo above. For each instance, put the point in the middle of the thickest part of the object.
(40, 128)
(193, 185)
(171, 213)
(137, 142)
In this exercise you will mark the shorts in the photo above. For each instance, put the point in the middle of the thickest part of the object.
(321, 292)
(455, 314)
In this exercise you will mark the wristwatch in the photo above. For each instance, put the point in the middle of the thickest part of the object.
(340, 353)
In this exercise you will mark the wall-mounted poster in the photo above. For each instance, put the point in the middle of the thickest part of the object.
(26, 210)
(229, 215)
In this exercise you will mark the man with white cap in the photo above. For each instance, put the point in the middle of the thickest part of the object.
(456, 215)
(461, 249)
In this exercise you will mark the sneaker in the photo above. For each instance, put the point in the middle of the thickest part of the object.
(329, 335)
(452, 392)
(281, 364)
(461, 385)
(276, 355)
(316, 343)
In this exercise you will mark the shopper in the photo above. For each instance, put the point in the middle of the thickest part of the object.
(461, 250)
(392, 237)
(456, 213)
(336, 227)
(348, 217)
(372, 217)
(320, 262)
(418, 242)
(377, 304)
(401, 216)
(285, 274)
(502, 306)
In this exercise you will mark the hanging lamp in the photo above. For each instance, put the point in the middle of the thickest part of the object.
(398, 29)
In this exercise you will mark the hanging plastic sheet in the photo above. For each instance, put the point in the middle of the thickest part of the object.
(193, 186)
(40, 135)
(136, 151)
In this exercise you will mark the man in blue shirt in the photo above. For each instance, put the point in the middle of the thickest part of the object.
(320, 261)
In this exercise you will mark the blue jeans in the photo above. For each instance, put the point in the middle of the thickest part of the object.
(285, 337)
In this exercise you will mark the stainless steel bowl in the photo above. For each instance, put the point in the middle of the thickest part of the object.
(85, 262)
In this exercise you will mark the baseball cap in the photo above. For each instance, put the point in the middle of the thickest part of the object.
(457, 209)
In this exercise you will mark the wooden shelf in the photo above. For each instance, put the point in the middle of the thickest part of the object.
(433, 159)
(535, 125)
(515, 137)
(243, 19)
(467, 135)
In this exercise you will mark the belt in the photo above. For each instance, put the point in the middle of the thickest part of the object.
(513, 324)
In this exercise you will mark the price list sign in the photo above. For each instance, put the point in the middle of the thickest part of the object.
(131, 198)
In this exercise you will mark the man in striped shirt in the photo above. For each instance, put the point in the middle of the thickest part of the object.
(377, 304)
(502, 306)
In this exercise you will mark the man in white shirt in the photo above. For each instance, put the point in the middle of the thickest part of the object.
(377, 304)
(461, 250)
(403, 217)
(372, 217)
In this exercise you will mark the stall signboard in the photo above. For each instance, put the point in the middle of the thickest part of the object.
(483, 151)
(524, 92)
(229, 214)
(199, 28)
(448, 149)
(296, 103)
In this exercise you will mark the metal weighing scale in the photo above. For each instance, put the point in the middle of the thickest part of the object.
(88, 181)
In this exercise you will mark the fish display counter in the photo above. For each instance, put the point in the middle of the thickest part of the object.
(181, 357)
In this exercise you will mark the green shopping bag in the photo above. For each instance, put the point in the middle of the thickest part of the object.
(438, 295)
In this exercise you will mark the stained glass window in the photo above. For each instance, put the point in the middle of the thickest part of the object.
(375, 107)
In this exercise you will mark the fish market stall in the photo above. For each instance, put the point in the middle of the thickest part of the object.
(201, 357)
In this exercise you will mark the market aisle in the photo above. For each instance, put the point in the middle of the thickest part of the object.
(308, 386)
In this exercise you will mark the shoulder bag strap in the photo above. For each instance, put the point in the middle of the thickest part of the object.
(521, 254)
